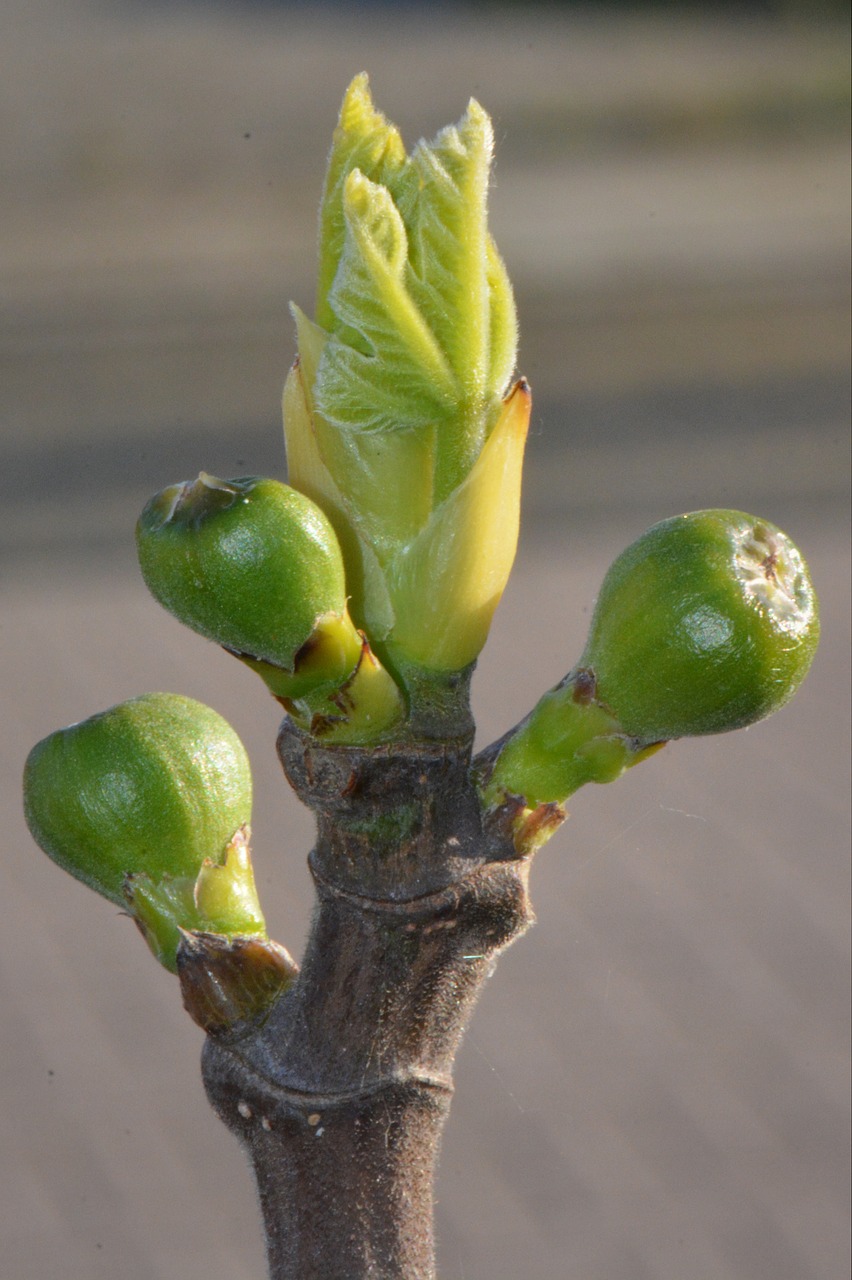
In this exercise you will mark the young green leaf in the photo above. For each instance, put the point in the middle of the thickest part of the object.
(400, 385)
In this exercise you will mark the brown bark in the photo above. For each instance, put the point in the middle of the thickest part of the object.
(341, 1095)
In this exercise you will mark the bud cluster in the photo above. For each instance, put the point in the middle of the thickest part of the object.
(363, 590)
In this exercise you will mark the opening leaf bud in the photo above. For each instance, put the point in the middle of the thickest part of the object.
(398, 415)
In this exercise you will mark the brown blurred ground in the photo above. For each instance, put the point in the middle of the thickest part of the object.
(655, 1085)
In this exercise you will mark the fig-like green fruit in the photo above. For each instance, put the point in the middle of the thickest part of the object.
(708, 622)
(151, 787)
(249, 563)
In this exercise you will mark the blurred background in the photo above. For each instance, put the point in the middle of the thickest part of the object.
(655, 1084)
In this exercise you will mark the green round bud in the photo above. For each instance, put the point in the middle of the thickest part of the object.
(152, 787)
(249, 563)
(708, 622)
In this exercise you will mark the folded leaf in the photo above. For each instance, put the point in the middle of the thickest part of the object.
(363, 140)
(369, 602)
(447, 584)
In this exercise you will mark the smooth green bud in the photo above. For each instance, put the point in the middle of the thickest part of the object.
(251, 564)
(708, 622)
(151, 788)
(256, 566)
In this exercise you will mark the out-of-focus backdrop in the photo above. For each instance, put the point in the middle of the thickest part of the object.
(654, 1087)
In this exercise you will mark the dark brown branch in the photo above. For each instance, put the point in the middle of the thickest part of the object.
(340, 1097)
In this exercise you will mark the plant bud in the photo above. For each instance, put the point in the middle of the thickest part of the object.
(708, 622)
(151, 787)
(221, 900)
(398, 416)
(253, 565)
